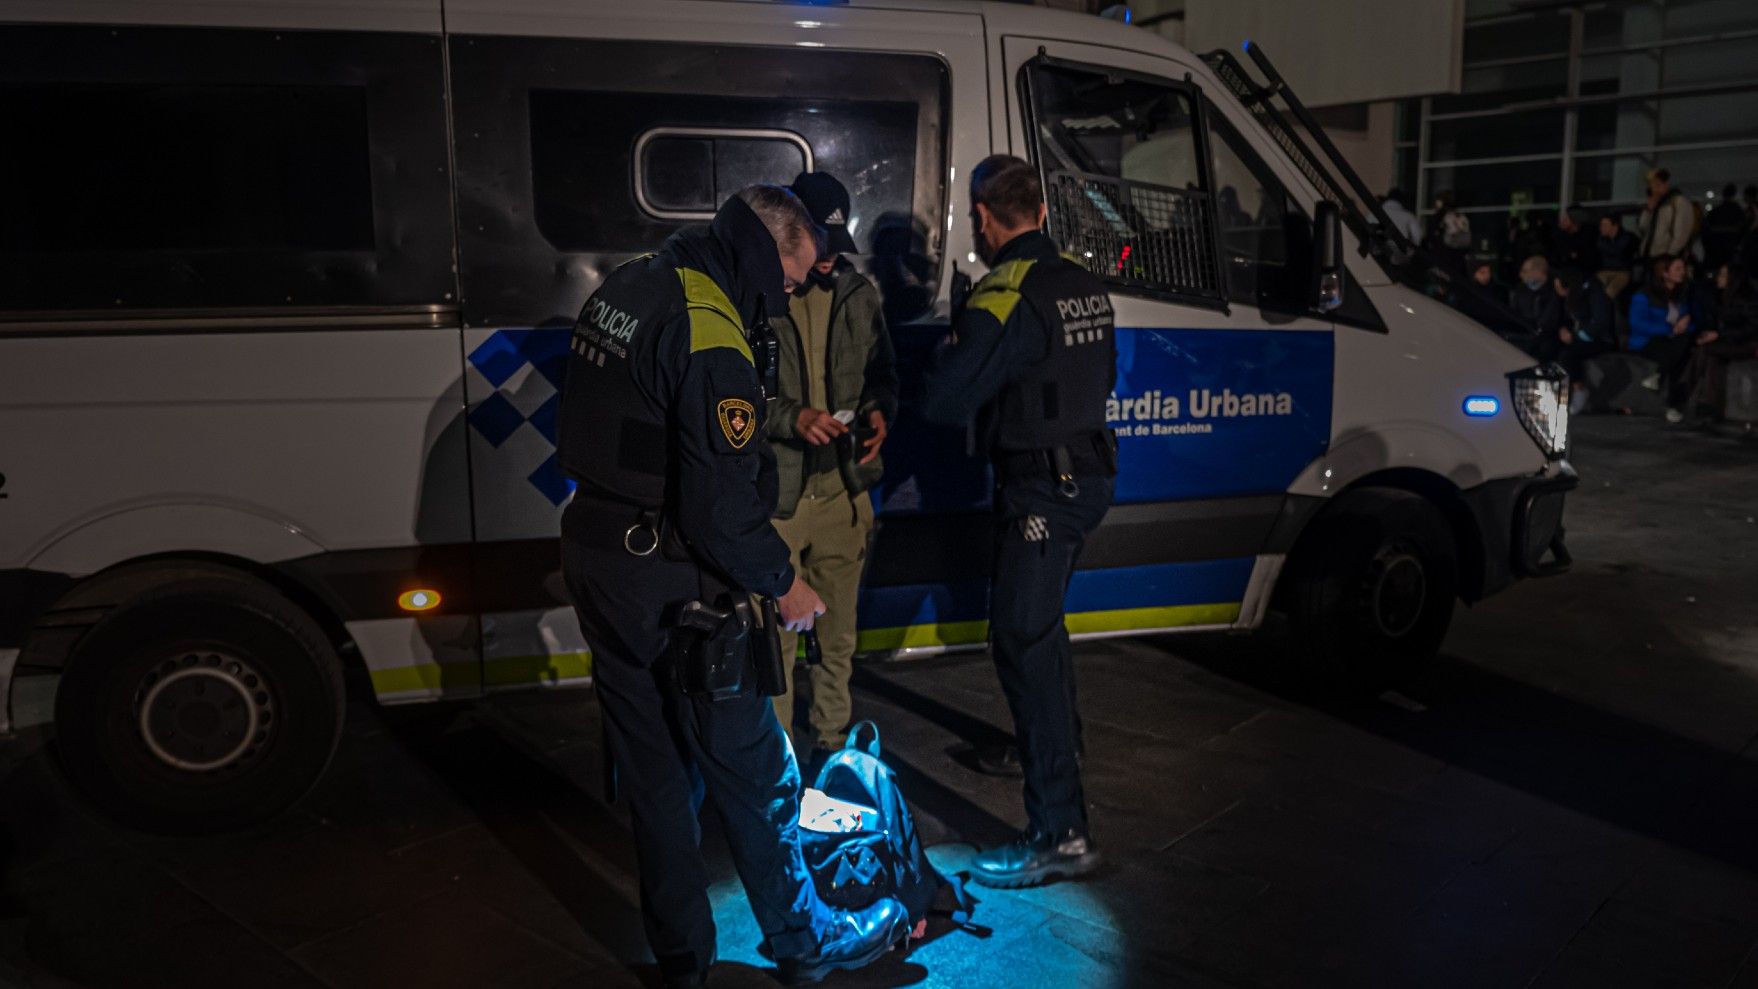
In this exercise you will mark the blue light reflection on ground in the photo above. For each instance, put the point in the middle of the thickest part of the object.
(1056, 935)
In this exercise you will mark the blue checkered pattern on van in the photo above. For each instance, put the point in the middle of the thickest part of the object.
(496, 418)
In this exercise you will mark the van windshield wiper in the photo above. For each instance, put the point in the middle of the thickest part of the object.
(1362, 212)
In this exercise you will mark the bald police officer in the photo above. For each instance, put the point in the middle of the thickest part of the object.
(660, 430)
(1030, 362)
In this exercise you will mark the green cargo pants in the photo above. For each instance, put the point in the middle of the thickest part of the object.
(828, 537)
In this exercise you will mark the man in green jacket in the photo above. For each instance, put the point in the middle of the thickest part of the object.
(838, 396)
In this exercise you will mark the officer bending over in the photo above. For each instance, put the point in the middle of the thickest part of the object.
(835, 360)
(1031, 360)
(660, 430)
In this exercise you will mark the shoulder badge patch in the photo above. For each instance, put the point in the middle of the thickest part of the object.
(738, 420)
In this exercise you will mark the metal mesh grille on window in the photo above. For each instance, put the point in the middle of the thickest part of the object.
(1133, 232)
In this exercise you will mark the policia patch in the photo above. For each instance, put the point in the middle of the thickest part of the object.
(738, 420)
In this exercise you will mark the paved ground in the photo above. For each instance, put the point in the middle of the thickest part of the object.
(1568, 797)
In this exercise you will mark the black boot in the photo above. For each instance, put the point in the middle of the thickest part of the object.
(852, 939)
(1033, 859)
(1003, 760)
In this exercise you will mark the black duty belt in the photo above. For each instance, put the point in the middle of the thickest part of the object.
(614, 525)
(1095, 454)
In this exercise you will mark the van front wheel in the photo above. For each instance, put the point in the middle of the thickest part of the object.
(201, 705)
(1371, 585)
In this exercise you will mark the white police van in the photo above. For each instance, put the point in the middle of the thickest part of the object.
(285, 290)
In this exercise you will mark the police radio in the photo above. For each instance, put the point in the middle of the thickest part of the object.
(766, 356)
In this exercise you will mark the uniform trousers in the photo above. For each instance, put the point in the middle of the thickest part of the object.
(669, 747)
(1039, 536)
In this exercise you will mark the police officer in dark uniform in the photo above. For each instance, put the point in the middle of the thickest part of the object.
(660, 430)
(1031, 362)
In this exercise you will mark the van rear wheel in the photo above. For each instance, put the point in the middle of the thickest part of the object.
(1371, 586)
(200, 705)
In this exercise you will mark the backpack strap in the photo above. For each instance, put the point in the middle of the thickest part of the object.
(854, 739)
(963, 904)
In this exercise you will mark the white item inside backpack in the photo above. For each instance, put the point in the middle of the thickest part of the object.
(827, 815)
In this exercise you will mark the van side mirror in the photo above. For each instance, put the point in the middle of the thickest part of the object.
(1327, 238)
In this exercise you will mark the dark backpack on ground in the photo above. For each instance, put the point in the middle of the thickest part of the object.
(852, 869)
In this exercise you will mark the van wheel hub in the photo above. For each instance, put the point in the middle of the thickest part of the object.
(204, 712)
(1397, 589)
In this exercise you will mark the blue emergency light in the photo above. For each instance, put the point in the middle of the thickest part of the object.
(1482, 406)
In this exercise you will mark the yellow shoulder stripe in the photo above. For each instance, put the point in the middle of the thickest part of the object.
(998, 292)
(713, 320)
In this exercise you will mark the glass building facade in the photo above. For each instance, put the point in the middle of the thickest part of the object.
(1572, 103)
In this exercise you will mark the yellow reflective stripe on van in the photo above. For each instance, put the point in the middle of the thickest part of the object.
(460, 676)
(998, 292)
(1079, 623)
(713, 320)
(469, 675)
(512, 671)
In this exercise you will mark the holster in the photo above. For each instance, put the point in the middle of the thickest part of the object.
(715, 647)
(710, 648)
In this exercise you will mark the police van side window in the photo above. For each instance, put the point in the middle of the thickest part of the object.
(685, 173)
(1266, 240)
(191, 167)
(1124, 177)
(576, 154)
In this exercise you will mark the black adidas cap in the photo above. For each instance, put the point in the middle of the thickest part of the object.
(827, 201)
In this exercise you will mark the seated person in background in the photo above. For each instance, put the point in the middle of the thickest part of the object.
(1484, 299)
(1617, 255)
(1533, 301)
(1483, 276)
(1732, 336)
(1585, 330)
(1663, 319)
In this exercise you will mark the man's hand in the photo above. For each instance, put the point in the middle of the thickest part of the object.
(1564, 335)
(1682, 325)
(876, 419)
(1708, 336)
(818, 427)
(799, 607)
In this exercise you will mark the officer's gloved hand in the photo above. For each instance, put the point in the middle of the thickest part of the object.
(799, 607)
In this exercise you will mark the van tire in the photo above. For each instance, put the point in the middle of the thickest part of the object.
(260, 689)
(1371, 586)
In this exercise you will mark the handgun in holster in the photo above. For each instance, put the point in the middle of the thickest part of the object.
(715, 647)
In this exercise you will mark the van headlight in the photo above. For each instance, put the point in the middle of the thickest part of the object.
(1541, 402)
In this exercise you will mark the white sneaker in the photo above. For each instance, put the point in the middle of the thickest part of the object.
(1652, 382)
(1674, 416)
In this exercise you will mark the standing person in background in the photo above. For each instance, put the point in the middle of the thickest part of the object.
(1663, 319)
(838, 396)
(1449, 234)
(1617, 255)
(1732, 336)
(1574, 246)
(1668, 221)
(1723, 229)
(1397, 209)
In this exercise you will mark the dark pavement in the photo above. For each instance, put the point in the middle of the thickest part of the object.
(1568, 796)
